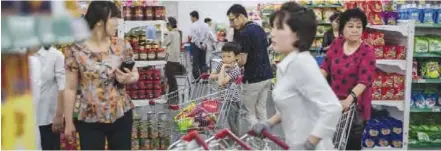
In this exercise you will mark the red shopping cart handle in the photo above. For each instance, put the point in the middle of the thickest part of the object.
(271, 137)
(226, 132)
(194, 135)
(173, 107)
(151, 102)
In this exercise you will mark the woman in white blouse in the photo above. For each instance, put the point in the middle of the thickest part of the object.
(306, 106)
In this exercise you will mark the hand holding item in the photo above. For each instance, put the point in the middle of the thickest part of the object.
(259, 127)
(346, 103)
(69, 130)
(123, 77)
(58, 123)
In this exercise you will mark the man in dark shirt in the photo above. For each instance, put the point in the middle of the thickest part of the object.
(255, 60)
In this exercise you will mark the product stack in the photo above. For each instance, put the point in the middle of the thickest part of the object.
(145, 50)
(388, 86)
(383, 131)
(151, 132)
(149, 85)
(140, 10)
(423, 13)
(378, 12)
(425, 131)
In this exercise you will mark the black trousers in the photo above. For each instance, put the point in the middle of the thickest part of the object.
(172, 69)
(199, 61)
(49, 139)
(118, 134)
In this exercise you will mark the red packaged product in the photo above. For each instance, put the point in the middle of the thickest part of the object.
(371, 37)
(141, 94)
(363, 5)
(149, 75)
(156, 74)
(388, 81)
(398, 81)
(350, 4)
(377, 95)
(149, 85)
(157, 93)
(387, 93)
(149, 94)
(378, 82)
(390, 52)
(157, 85)
(379, 52)
(415, 70)
(141, 85)
(375, 18)
(135, 95)
(399, 94)
(375, 6)
(401, 52)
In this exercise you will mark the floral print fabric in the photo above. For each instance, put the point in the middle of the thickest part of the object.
(100, 100)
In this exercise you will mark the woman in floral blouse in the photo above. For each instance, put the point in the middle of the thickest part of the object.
(105, 110)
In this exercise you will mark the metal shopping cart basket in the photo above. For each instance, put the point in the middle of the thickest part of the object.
(344, 126)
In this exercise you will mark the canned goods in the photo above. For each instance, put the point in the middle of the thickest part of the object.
(146, 144)
(155, 143)
(152, 126)
(143, 130)
(134, 131)
(164, 143)
(135, 144)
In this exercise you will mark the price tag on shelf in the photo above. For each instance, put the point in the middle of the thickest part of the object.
(436, 109)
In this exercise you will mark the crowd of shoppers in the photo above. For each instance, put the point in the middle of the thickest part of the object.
(308, 108)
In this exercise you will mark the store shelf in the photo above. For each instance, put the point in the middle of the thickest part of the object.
(392, 103)
(322, 22)
(433, 81)
(428, 26)
(324, 6)
(128, 25)
(145, 102)
(425, 146)
(401, 28)
(392, 66)
(426, 55)
(150, 63)
(382, 148)
(435, 109)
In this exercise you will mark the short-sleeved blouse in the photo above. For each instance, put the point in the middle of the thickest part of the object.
(346, 71)
(101, 101)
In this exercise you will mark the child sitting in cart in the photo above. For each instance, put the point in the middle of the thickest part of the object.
(226, 74)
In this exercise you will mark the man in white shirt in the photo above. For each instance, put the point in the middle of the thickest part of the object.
(212, 44)
(49, 108)
(200, 38)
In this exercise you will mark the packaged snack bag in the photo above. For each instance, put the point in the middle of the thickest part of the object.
(350, 4)
(318, 13)
(379, 38)
(398, 81)
(391, 18)
(399, 94)
(368, 141)
(379, 52)
(375, 6)
(388, 81)
(377, 95)
(401, 52)
(420, 100)
(378, 80)
(431, 69)
(388, 93)
(390, 52)
(318, 2)
(328, 12)
(434, 45)
(421, 45)
(364, 6)
(415, 69)
(431, 98)
(375, 18)
(396, 140)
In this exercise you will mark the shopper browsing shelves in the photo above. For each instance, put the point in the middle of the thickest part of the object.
(350, 62)
(332, 33)
(226, 74)
(105, 110)
(254, 58)
(308, 109)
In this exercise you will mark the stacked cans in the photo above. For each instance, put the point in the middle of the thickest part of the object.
(151, 133)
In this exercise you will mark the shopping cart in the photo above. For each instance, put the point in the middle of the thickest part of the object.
(344, 125)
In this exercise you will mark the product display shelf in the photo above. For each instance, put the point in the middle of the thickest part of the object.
(150, 63)
(128, 25)
(425, 84)
(399, 104)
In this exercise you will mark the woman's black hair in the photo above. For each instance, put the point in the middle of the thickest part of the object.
(355, 13)
(300, 20)
(100, 11)
(231, 47)
(334, 16)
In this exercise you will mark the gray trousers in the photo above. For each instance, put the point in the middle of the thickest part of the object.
(234, 118)
(254, 97)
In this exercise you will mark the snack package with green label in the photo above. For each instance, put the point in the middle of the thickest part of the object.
(421, 45)
(430, 70)
(434, 45)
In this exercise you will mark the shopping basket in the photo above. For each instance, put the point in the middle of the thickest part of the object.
(344, 125)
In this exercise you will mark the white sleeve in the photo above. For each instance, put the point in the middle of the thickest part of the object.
(314, 87)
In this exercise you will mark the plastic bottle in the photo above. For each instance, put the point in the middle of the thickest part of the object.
(428, 14)
(413, 13)
(421, 13)
(401, 12)
(437, 17)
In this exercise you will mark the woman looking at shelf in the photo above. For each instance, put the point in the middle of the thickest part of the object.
(350, 64)
(105, 110)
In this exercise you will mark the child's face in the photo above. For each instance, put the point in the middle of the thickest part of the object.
(228, 57)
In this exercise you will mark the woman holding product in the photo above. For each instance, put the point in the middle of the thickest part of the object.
(105, 110)
(350, 63)
(307, 108)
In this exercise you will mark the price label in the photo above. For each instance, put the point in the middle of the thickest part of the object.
(436, 109)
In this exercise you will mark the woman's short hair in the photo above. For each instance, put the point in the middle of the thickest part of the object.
(334, 16)
(355, 13)
(100, 11)
(300, 20)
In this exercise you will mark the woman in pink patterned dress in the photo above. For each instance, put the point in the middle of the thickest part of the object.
(350, 63)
